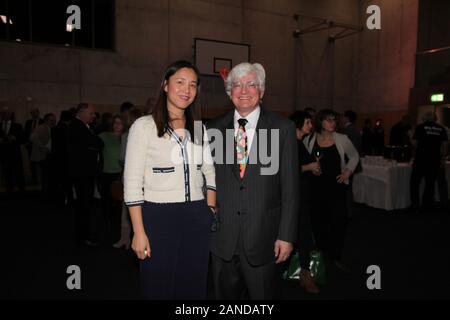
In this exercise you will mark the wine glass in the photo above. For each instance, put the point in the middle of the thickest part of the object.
(319, 156)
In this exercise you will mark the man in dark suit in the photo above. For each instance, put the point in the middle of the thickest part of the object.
(30, 126)
(11, 139)
(350, 130)
(401, 133)
(430, 141)
(60, 159)
(354, 135)
(257, 198)
(83, 153)
(33, 123)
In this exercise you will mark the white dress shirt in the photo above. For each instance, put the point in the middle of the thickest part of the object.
(250, 127)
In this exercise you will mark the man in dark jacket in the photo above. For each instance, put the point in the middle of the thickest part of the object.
(431, 148)
(83, 154)
(11, 139)
(257, 199)
(60, 159)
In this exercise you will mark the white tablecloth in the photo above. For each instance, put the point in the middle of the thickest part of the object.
(386, 185)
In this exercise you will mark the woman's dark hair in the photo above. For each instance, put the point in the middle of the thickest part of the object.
(299, 117)
(159, 111)
(320, 116)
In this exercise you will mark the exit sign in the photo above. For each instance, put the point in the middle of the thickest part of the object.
(437, 97)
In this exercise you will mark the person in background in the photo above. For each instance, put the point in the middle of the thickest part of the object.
(354, 135)
(378, 138)
(430, 142)
(308, 167)
(111, 171)
(12, 137)
(164, 191)
(30, 126)
(106, 123)
(83, 154)
(64, 193)
(41, 140)
(350, 130)
(367, 138)
(125, 107)
(401, 133)
(329, 187)
(442, 177)
(95, 125)
(33, 123)
(125, 231)
(312, 112)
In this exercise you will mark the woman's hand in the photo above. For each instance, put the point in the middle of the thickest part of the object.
(314, 167)
(141, 246)
(346, 173)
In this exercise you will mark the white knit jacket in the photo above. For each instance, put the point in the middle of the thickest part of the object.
(161, 170)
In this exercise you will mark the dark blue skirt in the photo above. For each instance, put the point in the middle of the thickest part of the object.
(179, 235)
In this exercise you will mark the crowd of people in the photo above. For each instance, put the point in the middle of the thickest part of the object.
(185, 217)
(71, 162)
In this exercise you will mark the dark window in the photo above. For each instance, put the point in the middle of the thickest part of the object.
(46, 22)
(104, 24)
(3, 16)
(84, 36)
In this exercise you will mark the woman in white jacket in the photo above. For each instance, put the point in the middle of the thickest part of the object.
(167, 163)
(338, 159)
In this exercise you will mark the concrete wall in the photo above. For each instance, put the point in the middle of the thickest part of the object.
(386, 61)
(371, 72)
(150, 34)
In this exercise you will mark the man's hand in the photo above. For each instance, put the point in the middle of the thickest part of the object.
(282, 250)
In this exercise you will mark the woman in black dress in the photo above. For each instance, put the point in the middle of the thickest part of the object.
(308, 167)
(338, 159)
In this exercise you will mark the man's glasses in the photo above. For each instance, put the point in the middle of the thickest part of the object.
(251, 85)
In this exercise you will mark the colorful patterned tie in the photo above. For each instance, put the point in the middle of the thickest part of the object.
(241, 146)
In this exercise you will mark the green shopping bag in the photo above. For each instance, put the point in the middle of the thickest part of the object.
(317, 267)
(293, 270)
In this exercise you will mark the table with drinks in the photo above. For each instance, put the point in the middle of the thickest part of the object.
(384, 183)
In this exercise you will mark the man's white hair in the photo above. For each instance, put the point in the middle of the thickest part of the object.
(243, 69)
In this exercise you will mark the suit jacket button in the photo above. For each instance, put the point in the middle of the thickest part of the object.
(239, 213)
(241, 188)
